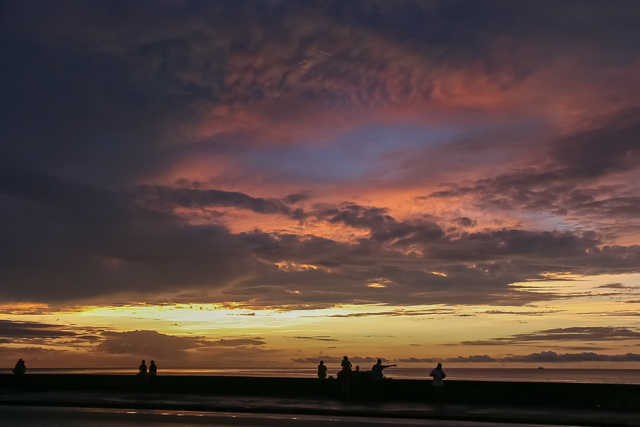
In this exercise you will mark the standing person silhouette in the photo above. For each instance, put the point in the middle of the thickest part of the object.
(346, 365)
(322, 370)
(345, 378)
(438, 385)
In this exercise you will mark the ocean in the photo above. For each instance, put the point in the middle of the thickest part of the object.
(559, 375)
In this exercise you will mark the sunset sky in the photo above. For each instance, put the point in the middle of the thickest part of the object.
(249, 183)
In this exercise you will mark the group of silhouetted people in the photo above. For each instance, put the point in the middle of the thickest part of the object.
(145, 375)
(347, 377)
(353, 380)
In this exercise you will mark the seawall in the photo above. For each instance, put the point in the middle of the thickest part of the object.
(619, 397)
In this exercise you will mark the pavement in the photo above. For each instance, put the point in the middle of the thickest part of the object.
(321, 407)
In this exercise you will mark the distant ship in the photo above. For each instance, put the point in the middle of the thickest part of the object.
(540, 367)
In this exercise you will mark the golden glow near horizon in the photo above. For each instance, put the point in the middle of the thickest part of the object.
(420, 331)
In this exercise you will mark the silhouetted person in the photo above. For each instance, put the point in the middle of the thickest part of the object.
(142, 372)
(438, 385)
(376, 371)
(322, 370)
(377, 377)
(345, 378)
(20, 368)
(346, 365)
(153, 371)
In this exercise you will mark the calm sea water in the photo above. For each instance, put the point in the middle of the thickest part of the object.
(601, 376)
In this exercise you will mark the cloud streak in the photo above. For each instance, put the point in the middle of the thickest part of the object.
(586, 334)
(542, 357)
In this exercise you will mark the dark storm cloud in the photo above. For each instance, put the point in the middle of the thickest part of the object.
(36, 333)
(565, 180)
(297, 197)
(464, 222)
(512, 242)
(611, 147)
(317, 271)
(101, 97)
(113, 84)
(68, 241)
(108, 239)
(565, 334)
(13, 329)
(382, 226)
(201, 198)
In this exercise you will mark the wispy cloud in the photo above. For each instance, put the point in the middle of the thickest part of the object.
(586, 334)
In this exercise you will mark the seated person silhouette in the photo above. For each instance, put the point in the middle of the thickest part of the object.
(322, 370)
(142, 371)
(153, 369)
(20, 368)
(376, 370)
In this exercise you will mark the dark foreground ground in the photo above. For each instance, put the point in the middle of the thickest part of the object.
(82, 417)
(468, 401)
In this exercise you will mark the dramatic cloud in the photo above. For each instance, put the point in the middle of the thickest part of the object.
(300, 155)
(108, 239)
(152, 344)
(36, 333)
(32, 329)
(195, 198)
(382, 227)
(104, 238)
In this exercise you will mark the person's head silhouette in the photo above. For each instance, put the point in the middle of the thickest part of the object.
(322, 362)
